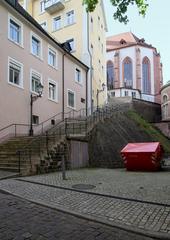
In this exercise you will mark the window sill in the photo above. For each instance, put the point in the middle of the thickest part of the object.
(17, 44)
(15, 85)
(71, 24)
(38, 57)
(52, 100)
(79, 83)
(73, 108)
(51, 66)
(56, 30)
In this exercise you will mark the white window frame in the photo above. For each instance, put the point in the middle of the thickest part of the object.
(20, 43)
(60, 23)
(12, 60)
(32, 71)
(40, 40)
(71, 91)
(67, 20)
(80, 75)
(44, 22)
(56, 90)
(51, 49)
(42, 11)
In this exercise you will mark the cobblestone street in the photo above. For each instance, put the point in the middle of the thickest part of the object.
(119, 198)
(24, 220)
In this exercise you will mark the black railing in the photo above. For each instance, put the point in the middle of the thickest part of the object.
(76, 124)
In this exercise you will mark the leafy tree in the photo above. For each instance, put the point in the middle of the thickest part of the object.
(121, 7)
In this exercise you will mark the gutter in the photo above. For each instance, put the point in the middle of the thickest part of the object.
(88, 42)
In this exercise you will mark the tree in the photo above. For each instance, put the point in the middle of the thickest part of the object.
(121, 7)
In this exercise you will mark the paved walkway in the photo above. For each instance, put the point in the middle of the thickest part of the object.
(148, 186)
(150, 218)
(6, 174)
(23, 220)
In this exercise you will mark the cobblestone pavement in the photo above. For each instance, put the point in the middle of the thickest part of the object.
(6, 174)
(148, 186)
(25, 220)
(137, 216)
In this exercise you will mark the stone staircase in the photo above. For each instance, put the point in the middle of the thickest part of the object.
(43, 153)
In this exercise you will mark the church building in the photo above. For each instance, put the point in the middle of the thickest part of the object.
(133, 68)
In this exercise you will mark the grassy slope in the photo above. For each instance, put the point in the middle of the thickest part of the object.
(149, 129)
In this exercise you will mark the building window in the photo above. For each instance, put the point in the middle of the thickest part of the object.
(127, 73)
(71, 99)
(52, 90)
(15, 72)
(44, 25)
(15, 31)
(35, 46)
(35, 119)
(78, 75)
(99, 42)
(112, 94)
(35, 81)
(57, 23)
(133, 94)
(110, 75)
(42, 6)
(52, 57)
(91, 49)
(146, 79)
(165, 111)
(70, 18)
(126, 93)
(91, 24)
(72, 44)
(83, 100)
(165, 98)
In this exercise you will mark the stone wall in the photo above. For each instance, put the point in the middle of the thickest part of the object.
(150, 111)
(109, 137)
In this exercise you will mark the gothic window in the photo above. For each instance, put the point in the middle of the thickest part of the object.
(110, 75)
(146, 78)
(165, 98)
(127, 72)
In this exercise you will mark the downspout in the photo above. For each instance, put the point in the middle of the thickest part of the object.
(86, 92)
(88, 43)
(63, 78)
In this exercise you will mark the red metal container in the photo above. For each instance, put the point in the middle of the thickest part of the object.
(142, 156)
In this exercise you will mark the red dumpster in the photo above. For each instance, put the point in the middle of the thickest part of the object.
(142, 156)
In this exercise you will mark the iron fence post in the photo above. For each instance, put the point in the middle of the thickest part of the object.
(63, 168)
(19, 161)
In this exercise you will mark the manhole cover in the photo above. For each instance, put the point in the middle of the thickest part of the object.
(83, 186)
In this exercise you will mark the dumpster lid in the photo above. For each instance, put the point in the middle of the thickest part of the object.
(141, 147)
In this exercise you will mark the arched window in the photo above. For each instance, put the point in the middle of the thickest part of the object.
(146, 78)
(127, 72)
(110, 75)
(165, 98)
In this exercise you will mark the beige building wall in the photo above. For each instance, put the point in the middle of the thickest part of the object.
(15, 100)
(88, 31)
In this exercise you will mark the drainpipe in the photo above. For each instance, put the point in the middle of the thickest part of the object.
(86, 92)
(63, 84)
(88, 43)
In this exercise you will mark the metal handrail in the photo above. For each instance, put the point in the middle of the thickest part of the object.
(65, 127)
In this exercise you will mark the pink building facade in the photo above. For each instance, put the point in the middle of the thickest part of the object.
(133, 68)
(29, 57)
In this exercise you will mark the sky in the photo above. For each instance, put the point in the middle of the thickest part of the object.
(154, 28)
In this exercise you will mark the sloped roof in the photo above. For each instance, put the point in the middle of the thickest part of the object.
(124, 40)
